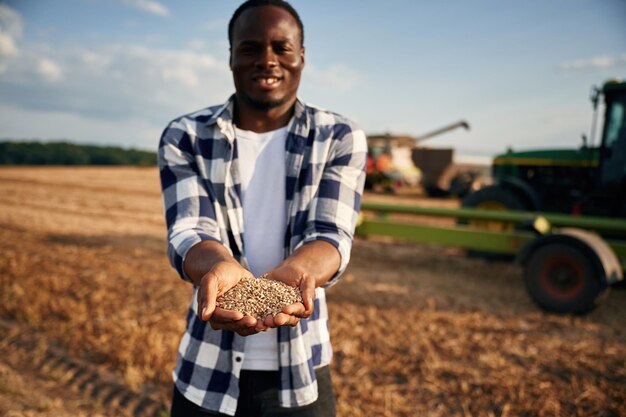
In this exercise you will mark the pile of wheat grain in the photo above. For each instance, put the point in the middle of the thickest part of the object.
(259, 297)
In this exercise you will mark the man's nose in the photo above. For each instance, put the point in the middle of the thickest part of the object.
(267, 58)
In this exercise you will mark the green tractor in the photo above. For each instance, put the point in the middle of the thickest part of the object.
(566, 270)
(590, 180)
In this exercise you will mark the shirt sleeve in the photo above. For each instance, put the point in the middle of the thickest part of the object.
(189, 212)
(335, 209)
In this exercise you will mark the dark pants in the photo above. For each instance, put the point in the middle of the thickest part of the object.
(258, 397)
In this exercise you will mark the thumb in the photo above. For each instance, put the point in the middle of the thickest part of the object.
(307, 289)
(207, 294)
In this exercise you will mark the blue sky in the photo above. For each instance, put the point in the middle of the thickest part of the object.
(116, 71)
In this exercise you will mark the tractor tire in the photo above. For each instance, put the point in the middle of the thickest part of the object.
(562, 278)
(493, 197)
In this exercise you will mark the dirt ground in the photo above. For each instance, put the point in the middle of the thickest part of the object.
(91, 315)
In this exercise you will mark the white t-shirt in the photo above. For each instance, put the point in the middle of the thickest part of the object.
(262, 170)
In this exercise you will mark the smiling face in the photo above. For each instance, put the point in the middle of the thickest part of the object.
(267, 58)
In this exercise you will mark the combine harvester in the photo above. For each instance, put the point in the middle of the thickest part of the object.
(561, 213)
(397, 162)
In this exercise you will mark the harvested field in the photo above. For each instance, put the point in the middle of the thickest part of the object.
(417, 330)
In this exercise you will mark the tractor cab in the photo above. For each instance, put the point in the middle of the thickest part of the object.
(588, 180)
(610, 184)
(613, 151)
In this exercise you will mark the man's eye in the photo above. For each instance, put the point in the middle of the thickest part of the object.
(249, 49)
(281, 49)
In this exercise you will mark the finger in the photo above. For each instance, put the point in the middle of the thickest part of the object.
(216, 325)
(307, 289)
(223, 316)
(221, 322)
(242, 330)
(246, 332)
(247, 321)
(206, 296)
(269, 321)
(282, 319)
(296, 309)
(202, 298)
(243, 322)
(246, 326)
(260, 327)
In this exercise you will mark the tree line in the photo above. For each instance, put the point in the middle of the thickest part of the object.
(65, 153)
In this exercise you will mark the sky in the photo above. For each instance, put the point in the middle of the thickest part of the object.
(115, 72)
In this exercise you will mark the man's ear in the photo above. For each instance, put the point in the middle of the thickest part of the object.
(230, 58)
(302, 55)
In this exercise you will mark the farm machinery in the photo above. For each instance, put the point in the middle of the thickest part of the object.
(396, 162)
(561, 213)
(589, 180)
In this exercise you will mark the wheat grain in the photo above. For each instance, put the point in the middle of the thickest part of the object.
(259, 297)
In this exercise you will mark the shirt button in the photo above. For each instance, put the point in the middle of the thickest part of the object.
(237, 358)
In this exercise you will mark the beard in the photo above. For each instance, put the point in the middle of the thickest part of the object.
(264, 105)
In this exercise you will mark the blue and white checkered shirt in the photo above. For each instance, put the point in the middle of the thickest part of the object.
(325, 159)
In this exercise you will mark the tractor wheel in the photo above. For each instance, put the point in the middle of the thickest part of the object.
(562, 278)
(492, 197)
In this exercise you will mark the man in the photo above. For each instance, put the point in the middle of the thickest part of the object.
(263, 183)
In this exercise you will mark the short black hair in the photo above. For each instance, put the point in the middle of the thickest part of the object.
(256, 3)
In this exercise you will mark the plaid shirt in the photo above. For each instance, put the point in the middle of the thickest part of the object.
(325, 159)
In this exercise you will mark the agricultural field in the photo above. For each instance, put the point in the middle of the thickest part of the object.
(91, 314)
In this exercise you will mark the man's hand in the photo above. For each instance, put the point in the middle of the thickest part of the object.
(310, 266)
(221, 278)
(292, 275)
(307, 268)
(236, 322)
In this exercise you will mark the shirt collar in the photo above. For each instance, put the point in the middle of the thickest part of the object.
(223, 117)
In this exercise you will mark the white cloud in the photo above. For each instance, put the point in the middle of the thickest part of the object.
(10, 33)
(49, 70)
(336, 78)
(108, 93)
(216, 24)
(95, 60)
(115, 81)
(10, 21)
(149, 6)
(598, 62)
(7, 45)
(182, 75)
(197, 45)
